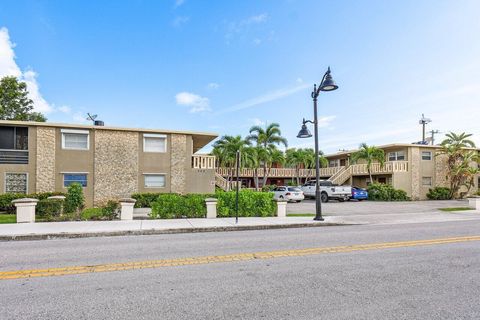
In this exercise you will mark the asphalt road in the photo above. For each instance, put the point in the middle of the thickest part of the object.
(410, 281)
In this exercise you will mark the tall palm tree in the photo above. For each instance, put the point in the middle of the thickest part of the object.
(458, 141)
(309, 160)
(226, 150)
(370, 154)
(267, 138)
(273, 156)
(293, 158)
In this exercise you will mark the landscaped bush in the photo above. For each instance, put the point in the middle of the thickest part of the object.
(268, 187)
(385, 192)
(49, 209)
(250, 204)
(439, 193)
(174, 206)
(7, 198)
(145, 200)
(74, 200)
(107, 212)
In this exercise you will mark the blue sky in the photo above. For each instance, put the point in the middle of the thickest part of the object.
(223, 66)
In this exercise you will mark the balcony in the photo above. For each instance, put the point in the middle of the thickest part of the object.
(13, 157)
(203, 162)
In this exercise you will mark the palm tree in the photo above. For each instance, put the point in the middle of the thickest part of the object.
(273, 156)
(267, 139)
(370, 154)
(293, 158)
(309, 160)
(458, 141)
(226, 150)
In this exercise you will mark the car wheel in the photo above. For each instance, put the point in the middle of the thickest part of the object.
(324, 197)
(341, 200)
(281, 197)
(299, 201)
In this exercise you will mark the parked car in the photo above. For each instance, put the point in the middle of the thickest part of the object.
(359, 194)
(328, 191)
(288, 193)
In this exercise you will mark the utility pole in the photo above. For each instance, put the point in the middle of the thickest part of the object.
(433, 133)
(424, 121)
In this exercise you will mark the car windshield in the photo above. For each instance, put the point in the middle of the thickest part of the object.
(294, 189)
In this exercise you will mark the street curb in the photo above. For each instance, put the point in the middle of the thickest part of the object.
(51, 236)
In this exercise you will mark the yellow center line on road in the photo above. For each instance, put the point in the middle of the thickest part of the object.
(33, 273)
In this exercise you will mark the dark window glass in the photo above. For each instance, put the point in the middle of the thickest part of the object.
(6, 138)
(21, 138)
(68, 179)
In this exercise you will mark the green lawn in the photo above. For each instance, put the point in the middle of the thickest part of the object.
(456, 209)
(300, 215)
(8, 218)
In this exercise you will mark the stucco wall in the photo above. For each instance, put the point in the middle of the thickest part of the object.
(116, 165)
(45, 160)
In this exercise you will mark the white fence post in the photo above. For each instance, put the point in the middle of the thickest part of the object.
(211, 208)
(126, 208)
(25, 208)
(281, 208)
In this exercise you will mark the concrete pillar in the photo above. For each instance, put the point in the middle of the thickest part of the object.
(211, 208)
(25, 209)
(281, 208)
(126, 208)
(474, 203)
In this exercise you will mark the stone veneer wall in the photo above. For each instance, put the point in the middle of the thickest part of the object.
(116, 165)
(415, 167)
(178, 161)
(441, 170)
(45, 169)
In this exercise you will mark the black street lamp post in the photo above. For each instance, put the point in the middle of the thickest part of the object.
(327, 84)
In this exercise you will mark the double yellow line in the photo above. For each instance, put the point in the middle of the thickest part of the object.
(34, 273)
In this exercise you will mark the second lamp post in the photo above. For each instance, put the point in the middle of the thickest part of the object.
(327, 84)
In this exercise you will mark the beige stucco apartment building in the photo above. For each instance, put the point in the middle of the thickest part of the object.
(411, 167)
(414, 168)
(108, 162)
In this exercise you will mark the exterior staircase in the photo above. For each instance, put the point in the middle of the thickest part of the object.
(341, 176)
(223, 183)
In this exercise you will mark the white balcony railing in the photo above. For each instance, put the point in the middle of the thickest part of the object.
(203, 162)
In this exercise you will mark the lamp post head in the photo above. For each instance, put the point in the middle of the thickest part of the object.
(328, 84)
(304, 132)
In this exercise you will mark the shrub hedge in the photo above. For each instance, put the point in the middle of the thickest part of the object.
(74, 200)
(49, 209)
(385, 192)
(7, 198)
(145, 200)
(439, 193)
(251, 204)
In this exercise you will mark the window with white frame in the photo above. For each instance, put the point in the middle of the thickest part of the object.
(154, 143)
(69, 178)
(396, 156)
(426, 181)
(75, 139)
(426, 155)
(16, 183)
(154, 180)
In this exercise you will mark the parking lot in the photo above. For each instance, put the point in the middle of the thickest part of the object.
(334, 208)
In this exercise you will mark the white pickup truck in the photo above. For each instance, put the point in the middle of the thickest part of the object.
(328, 190)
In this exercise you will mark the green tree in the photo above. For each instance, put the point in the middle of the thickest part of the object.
(14, 101)
(225, 149)
(267, 138)
(462, 163)
(369, 154)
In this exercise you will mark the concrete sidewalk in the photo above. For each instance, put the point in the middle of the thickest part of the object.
(79, 229)
(74, 229)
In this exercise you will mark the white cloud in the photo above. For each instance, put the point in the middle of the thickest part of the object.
(64, 109)
(238, 27)
(324, 122)
(257, 122)
(213, 85)
(195, 102)
(79, 117)
(299, 80)
(8, 67)
(268, 97)
(180, 20)
(178, 3)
